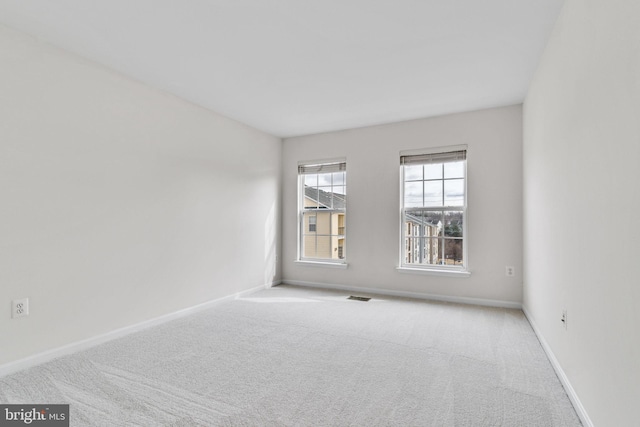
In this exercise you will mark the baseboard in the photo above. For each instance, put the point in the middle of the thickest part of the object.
(274, 283)
(575, 400)
(405, 294)
(75, 347)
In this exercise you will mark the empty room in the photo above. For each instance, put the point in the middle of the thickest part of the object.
(334, 213)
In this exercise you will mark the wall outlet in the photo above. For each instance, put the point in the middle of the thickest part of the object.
(509, 271)
(564, 319)
(20, 307)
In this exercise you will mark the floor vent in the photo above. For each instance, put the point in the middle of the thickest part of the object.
(359, 298)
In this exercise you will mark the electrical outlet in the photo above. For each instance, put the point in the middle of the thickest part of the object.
(564, 319)
(510, 271)
(20, 307)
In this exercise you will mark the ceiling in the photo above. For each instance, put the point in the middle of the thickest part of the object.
(294, 67)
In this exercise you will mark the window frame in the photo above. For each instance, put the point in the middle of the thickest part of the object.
(439, 269)
(319, 261)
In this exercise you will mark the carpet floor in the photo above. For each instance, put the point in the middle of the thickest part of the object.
(291, 356)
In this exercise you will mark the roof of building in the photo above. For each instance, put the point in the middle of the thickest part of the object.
(324, 198)
(418, 220)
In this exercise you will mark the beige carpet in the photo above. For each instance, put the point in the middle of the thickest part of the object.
(292, 356)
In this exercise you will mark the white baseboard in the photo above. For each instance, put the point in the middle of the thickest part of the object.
(77, 346)
(582, 413)
(405, 294)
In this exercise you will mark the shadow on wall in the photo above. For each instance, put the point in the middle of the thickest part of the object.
(270, 251)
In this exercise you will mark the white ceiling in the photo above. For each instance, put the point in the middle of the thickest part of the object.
(294, 67)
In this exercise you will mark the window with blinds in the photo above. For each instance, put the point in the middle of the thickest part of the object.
(322, 211)
(433, 210)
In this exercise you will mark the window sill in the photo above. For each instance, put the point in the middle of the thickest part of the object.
(305, 263)
(434, 272)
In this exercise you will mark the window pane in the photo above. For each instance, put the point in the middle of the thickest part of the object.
(454, 170)
(324, 197)
(413, 225)
(324, 179)
(323, 223)
(310, 223)
(324, 247)
(311, 180)
(341, 224)
(413, 172)
(453, 251)
(423, 223)
(454, 192)
(432, 224)
(310, 197)
(309, 243)
(433, 171)
(338, 178)
(430, 251)
(342, 249)
(409, 228)
(432, 193)
(453, 224)
(411, 250)
(413, 194)
(339, 197)
(421, 250)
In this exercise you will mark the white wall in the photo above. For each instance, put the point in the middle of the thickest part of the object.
(120, 203)
(581, 204)
(494, 139)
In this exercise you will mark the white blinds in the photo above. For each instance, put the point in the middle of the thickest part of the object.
(448, 157)
(322, 168)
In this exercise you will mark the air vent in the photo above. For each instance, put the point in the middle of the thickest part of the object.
(365, 299)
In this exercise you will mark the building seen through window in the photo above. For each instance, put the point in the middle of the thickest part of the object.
(323, 202)
(433, 210)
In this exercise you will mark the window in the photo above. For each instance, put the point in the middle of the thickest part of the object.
(433, 210)
(322, 211)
